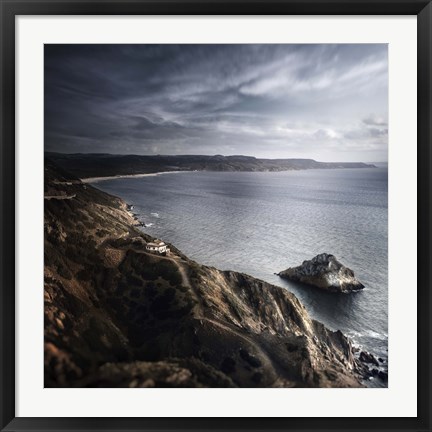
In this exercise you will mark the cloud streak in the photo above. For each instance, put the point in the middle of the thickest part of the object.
(328, 102)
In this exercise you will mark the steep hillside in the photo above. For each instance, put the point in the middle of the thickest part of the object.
(118, 316)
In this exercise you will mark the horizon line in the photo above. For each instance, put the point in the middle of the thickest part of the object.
(209, 155)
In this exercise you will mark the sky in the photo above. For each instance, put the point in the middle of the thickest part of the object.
(325, 102)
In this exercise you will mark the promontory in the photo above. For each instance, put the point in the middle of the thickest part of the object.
(119, 315)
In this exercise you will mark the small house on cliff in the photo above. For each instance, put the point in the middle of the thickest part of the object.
(157, 246)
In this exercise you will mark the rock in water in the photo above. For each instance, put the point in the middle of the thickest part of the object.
(324, 271)
(366, 357)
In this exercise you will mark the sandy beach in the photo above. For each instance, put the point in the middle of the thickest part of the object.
(99, 179)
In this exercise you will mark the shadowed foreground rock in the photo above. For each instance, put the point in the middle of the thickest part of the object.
(326, 272)
(118, 316)
(366, 357)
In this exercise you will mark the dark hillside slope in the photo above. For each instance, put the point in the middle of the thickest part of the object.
(117, 316)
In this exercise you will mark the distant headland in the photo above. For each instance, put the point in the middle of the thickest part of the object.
(108, 165)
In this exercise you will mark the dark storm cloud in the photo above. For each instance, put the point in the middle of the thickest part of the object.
(321, 101)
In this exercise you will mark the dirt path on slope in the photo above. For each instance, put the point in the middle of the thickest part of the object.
(59, 197)
(265, 357)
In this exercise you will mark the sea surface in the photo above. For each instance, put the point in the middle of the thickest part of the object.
(261, 223)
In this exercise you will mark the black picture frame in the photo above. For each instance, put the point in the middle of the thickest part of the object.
(9, 9)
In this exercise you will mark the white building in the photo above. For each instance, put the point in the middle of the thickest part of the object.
(157, 246)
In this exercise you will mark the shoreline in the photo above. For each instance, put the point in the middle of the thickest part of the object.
(366, 376)
(369, 379)
(121, 176)
(88, 180)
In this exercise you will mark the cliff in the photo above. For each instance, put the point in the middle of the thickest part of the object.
(118, 316)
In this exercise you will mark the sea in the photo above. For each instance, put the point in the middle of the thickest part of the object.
(260, 223)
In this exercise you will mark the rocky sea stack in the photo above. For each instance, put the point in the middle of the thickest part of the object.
(326, 272)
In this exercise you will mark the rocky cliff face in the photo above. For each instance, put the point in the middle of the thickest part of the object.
(326, 272)
(118, 316)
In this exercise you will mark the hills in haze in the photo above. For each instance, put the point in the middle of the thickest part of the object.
(105, 165)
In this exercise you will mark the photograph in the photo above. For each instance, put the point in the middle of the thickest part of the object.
(216, 215)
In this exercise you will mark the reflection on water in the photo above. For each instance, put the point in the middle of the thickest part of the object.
(262, 223)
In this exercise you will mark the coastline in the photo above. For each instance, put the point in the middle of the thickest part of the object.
(89, 180)
(357, 347)
(369, 374)
(208, 306)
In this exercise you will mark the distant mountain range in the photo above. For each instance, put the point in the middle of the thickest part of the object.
(105, 165)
